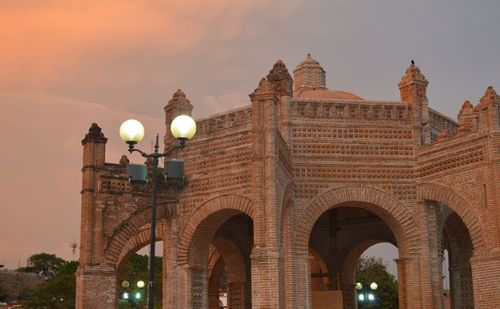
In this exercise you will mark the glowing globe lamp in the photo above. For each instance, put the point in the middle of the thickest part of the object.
(183, 127)
(131, 131)
(373, 286)
(140, 284)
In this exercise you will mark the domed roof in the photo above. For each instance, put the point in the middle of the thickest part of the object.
(325, 94)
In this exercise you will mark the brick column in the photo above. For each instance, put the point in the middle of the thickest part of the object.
(302, 273)
(401, 266)
(266, 285)
(485, 279)
(236, 295)
(349, 296)
(172, 291)
(96, 288)
(433, 239)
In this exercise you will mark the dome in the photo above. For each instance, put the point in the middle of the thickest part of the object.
(326, 94)
(309, 73)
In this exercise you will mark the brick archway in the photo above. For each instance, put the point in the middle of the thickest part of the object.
(456, 202)
(219, 209)
(128, 234)
(395, 214)
(139, 240)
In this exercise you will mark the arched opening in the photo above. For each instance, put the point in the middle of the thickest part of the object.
(457, 245)
(376, 273)
(337, 241)
(132, 278)
(219, 261)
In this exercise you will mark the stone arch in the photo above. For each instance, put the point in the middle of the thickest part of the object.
(233, 259)
(128, 229)
(219, 209)
(137, 241)
(395, 214)
(458, 203)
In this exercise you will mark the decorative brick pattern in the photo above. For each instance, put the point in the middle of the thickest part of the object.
(284, 195)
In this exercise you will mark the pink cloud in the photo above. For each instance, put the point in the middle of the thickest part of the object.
(41, 162)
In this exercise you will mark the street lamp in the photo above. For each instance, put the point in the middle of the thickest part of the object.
(183, 128)
(366, 295)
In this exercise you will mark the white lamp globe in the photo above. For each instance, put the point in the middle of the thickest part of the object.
(140, 284)
(183, 127)
(373, 286)
(131, 131)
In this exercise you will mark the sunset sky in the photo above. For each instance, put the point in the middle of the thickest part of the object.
(65, 64)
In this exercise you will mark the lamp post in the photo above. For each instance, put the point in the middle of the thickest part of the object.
(183, 128)
(365, 295)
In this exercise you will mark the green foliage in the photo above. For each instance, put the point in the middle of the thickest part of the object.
(3, 295)
(136, 270)
(373, 269)
(43, 264)
(57, 292)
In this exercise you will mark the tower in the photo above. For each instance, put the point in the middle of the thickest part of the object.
(178, 105)
(309, 74)
(413, 90)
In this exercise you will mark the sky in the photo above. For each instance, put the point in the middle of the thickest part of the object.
(67, 64)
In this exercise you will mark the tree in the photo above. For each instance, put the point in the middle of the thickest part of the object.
(371, 269)
(58, 291)
(3, 295)
(43, 264)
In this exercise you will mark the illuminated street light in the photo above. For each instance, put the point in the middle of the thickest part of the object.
(366, 295)
(183, 128)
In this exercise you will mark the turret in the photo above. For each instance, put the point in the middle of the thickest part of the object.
(467, 118)
(413, 90)
(94, 152)
(488, 110)
(280, 80)
(309, 74)
(178, 105)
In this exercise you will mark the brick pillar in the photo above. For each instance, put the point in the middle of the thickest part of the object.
(485, 279)
(236, 295)
(302, 273)
(96, 288)
(267, 261)
(402, 296)
(434, 259)
(171, 271)
(199, 287)
(349, 296)
(461, 286)
(265, 280)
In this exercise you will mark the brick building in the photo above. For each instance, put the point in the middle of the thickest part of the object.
(286, 193)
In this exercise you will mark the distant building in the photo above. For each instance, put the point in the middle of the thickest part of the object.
(15, 283)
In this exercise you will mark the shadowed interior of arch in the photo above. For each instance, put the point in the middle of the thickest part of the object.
(337, 240)
(220, 249)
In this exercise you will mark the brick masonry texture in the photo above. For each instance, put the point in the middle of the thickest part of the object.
(285, 194)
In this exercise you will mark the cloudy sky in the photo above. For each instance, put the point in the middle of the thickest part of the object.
(66, 64)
